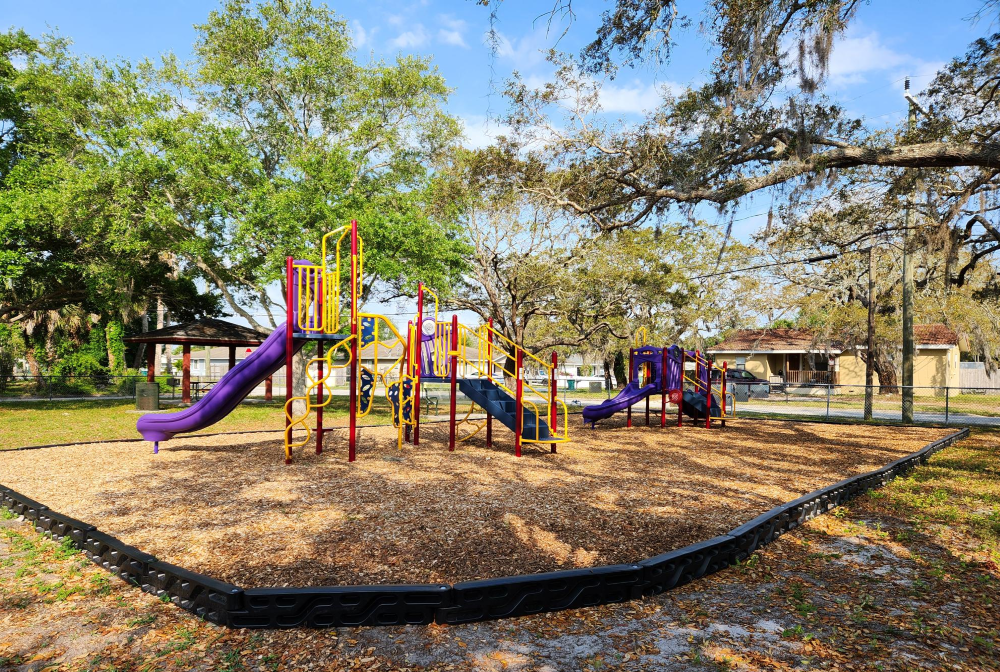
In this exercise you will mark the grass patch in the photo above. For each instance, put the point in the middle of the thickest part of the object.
(43, 422)
(959, 488)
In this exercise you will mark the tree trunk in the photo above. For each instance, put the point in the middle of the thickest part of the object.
(29, 355)
(160, 323)
(510, 365)
(115, 347)
(609, 365)
(168, 367)
(621, 375)
(887, 380)
(140, 352)
(299, 363)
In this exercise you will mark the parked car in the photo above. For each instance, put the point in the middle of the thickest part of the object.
(742, 384)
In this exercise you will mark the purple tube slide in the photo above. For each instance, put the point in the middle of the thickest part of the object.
(224, 395)
(231, 389)
(633, 393)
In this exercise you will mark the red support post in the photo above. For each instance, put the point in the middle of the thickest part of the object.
(268, 382)
(419, 362)
(680, 405)
(725, 369)
(647, 370)
(628, 413)
(151, 362)
(518, 405)
(489, 376)
(352, 438)
(290, 312)
(319, 397)
(663, 389)
(708, 397)
(553, 414)
(453, 365)
(408, 369)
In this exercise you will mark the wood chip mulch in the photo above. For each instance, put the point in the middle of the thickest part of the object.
(227, 506)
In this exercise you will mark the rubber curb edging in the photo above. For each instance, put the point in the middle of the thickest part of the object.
(491, 599)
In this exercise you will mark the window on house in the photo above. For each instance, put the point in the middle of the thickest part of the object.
(741, 362)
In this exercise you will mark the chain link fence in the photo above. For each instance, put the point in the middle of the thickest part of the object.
(937, 405)
(101, 386)
(975, 406)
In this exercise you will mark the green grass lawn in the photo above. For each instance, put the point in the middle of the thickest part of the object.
(38, 423)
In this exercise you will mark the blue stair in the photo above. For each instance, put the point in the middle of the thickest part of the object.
(493, 399)
(694, 405)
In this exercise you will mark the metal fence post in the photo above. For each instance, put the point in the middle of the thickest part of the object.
(828, 401)
(947, 400)
(48, 386)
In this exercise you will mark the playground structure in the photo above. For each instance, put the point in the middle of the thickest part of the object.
(655, 370)
(433, 350)
(480, 362)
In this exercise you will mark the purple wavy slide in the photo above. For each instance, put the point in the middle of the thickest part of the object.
(220, 401)
(631, 394)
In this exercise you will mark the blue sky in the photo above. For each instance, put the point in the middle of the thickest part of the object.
(889, 40)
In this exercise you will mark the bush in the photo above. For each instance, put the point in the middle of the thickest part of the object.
(81, 363)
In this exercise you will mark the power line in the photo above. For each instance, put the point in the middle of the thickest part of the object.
(809, 260)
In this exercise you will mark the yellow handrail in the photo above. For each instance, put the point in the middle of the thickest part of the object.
(498, 359)
(293, 422)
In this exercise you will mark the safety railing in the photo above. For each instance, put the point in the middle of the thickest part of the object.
(494, 352)
(320, 298)
(395, 372)
(707, 387)
(332, 319)
(315, 390)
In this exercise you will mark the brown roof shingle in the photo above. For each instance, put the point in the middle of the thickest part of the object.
(934, 334)
(762, 340)
(207, 331)
(784, 339)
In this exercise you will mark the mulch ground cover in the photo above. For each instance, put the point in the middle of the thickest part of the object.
(227, 506)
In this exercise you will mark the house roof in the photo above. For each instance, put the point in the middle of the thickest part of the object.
(934, 334)
(804, 340)
(208, 331)
(769, 340)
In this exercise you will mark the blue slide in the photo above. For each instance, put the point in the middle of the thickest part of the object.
(633, 393)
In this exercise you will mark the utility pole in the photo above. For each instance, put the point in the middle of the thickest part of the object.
(870, 355)
(908, 344)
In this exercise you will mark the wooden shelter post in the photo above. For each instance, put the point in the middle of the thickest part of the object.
(186, 376)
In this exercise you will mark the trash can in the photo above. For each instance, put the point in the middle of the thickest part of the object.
(147, 396)
(570, 384)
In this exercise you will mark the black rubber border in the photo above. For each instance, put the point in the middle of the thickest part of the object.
(491, 599)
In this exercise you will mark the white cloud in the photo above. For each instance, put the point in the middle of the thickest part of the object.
(634, 98)
(362, 37)
(411, 39)
(452, 37)
(395, 19)
(452, 31)
(856, 56)
(481, 131)
(524, 52)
